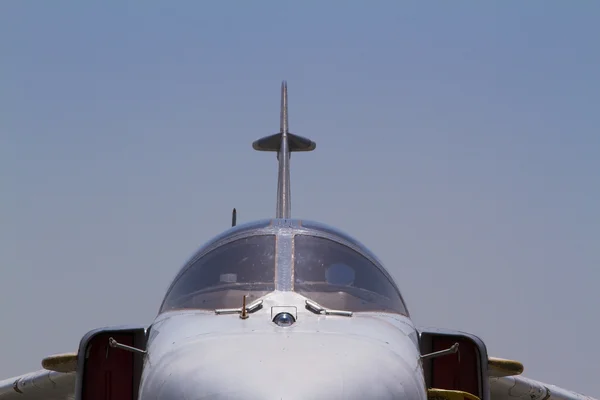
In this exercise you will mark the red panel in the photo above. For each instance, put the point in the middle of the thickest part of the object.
(452, 372)
(108, 372)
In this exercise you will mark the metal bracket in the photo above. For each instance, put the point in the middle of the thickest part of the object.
(292, 310)
(243, 311)
(453, 349)
(319, 309)
(113, 343)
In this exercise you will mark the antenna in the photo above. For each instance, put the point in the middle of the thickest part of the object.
(284, 143)
(233, 217)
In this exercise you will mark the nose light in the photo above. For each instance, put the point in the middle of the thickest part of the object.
(284, 319)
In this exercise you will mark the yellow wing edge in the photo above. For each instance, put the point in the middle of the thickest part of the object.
(499, 367)
(66, 362)
(443, 394)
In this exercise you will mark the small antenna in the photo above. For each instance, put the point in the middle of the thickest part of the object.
(233, 217)
(244, 313)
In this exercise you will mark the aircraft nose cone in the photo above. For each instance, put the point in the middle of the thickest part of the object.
(284, 366)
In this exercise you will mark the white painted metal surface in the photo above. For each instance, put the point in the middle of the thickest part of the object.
(42, 384)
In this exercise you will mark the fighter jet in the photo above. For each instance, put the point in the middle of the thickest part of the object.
(281, 308)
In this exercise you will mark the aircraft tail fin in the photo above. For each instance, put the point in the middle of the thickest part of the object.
(284, 143)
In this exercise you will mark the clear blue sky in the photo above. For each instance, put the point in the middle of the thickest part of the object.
(459, 140)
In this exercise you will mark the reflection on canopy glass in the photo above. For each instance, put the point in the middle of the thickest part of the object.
(220, 278)
(338, 277)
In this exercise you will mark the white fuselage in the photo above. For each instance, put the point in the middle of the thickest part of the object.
(197, 354)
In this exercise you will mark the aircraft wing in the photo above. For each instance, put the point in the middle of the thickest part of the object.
(55, 382)
(505, 386)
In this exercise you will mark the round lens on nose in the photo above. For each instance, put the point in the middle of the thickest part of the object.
(284, 319)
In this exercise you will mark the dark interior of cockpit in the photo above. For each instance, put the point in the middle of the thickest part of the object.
(324, 270)
(337, 276)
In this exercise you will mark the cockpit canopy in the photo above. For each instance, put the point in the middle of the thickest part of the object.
(322, 267)
(219, 278)
(338, 277)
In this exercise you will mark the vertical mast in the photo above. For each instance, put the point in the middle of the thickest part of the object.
(284, 205)
(284, 143)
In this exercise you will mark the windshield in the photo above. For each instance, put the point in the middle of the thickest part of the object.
(337, 277)
(221, 277)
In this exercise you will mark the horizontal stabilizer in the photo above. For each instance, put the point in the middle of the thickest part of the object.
(273, 143)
